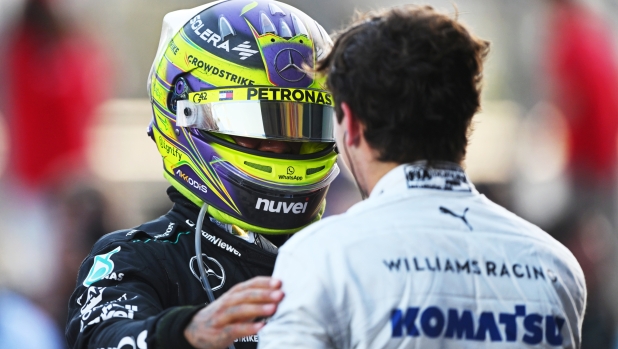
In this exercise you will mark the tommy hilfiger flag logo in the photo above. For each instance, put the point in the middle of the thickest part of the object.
(226, 95)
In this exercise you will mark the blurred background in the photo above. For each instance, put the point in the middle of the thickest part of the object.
(75, 161)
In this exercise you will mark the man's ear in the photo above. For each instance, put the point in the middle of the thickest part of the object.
(351, 125)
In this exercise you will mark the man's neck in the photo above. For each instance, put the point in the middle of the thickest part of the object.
(368, 169)
(377, 170)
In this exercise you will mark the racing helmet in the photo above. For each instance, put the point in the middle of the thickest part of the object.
(238, 68)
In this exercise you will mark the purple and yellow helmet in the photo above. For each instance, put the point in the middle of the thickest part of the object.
(239, 68)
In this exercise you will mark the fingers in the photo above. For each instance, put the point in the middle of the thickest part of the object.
(255, 296)
(245, 304)
(244, 313)
(243, 330)
(260, 289)
(233, 314)
(221, 337)
(257, 282)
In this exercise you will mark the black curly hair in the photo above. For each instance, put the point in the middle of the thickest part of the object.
(412, 76)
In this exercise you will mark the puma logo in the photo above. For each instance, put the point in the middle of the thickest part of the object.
(462, 217)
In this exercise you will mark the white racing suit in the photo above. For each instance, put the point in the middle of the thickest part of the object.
(426, 262)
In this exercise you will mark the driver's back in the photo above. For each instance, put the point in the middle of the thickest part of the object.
(424, 268)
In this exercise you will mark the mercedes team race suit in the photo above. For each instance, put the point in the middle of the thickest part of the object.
(139, 288)
(426, 262)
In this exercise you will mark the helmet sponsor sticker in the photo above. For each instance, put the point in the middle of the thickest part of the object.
(227, 38)
(195, 183)
(208, 35)
(212, 69)
(168, 148)
(226, 95)
(244, 50)
(281, 206)
(288, 63)
(278, 94)
(102, 267)
(174, 48)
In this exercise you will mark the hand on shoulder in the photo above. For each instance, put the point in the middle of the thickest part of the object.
(233, 315)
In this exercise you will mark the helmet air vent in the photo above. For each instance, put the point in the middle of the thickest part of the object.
(225, 28)
(321, 30)
(286, 32)
(267, 24)
(274, 9)
(325, 39)
(311, 171)
(299, 27)
(264, 168)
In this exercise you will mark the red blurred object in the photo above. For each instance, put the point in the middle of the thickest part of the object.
(585, 75)
(56, 78)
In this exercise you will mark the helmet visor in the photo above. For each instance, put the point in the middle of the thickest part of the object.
(261, 112)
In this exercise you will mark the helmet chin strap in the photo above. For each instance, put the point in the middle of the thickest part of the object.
(361, 190)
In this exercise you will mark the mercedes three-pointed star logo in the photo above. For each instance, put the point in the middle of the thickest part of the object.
(287, 65)
(217, 274)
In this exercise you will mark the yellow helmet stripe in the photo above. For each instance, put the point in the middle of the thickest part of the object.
(212, 175)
